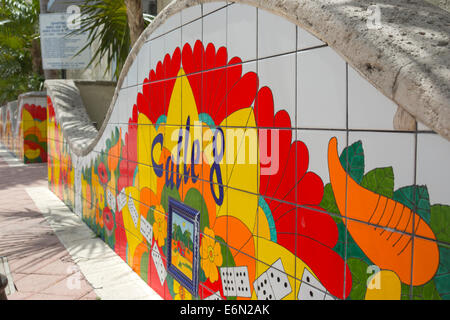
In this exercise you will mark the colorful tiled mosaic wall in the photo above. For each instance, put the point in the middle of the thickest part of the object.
(304, 188)
(24, 128)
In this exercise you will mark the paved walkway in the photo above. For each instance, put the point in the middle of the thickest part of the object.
(51, 253)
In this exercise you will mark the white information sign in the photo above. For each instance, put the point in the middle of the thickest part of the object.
(58, 47)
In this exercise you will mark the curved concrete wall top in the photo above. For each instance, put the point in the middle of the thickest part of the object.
(407, 58)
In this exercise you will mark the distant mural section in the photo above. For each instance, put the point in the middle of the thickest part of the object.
(9, 125)
(304, 189)
(24, 128)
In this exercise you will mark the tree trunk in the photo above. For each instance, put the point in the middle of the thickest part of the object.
(36, 57)
(135, 19)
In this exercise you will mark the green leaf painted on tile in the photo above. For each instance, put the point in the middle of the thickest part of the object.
(426, 292)
(227, 257)
(416, 198)
(329, 203)
(201, 275)
(355, 156)
(405, 291)
(440, 222)
(169, 280)
(353, 250)
(358, 268)
(144, 266)
(151, 215)
(380, 181)
(442, 276)
(166, 193)
(194, 199)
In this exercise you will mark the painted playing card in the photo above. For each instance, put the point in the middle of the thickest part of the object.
(147, 230)
(111, 200)
(133, 211)
(160, 268)
(121, 200)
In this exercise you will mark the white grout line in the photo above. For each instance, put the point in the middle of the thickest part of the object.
(109, 275)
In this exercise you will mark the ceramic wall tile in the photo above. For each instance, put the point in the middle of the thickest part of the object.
(317, 144)
(275, 270)
(114, 118)
(157, 53)
(321, 95)
(429, 280)
(366, 103)
(143, 59)
(278, 74)
(433, 156)
(383, 151)
(191, 13)
(242, 32)
(191, 33)
(172, 42)
(132, 76)
(306, 40)
(441, 281)
(172, 23)
(132, 94)
(383, 257)
(213, 6)
(158, 32)
(276, 35)
(214, 28)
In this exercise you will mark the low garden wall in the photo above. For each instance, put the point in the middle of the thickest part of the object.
(24, 127)
(313, 160)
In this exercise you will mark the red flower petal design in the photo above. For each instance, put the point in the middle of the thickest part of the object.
(300, 193)
(37, 112)
(102, 173)
(108, 219)
(217, 84)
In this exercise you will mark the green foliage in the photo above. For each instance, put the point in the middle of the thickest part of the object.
(360, 275)
(106, 24)
(426, 292)
(227, 257)
(352, 160)
(18, 29)
(144, 266)
(194, 199)
(442, 277)
(380, 180)
(440, 222)
(166, 193)
(415, 198)
(329, 202)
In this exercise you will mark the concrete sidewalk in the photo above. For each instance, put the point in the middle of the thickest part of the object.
(52, 254)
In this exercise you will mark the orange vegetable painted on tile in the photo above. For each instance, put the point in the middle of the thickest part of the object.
(390, 249)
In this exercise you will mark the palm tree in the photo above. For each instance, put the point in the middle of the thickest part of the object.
(20, 54)
(113, 26)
